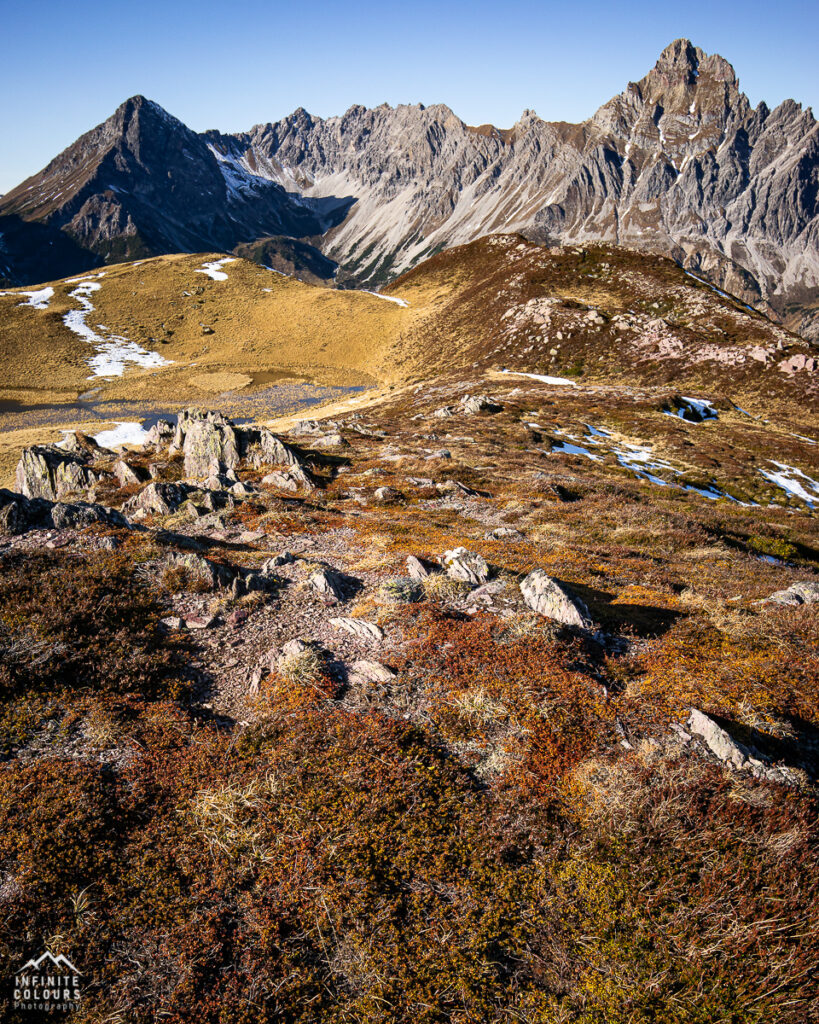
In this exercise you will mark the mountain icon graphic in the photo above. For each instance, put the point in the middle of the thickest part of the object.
(48, 958)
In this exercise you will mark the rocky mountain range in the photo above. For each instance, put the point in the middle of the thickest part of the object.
(679, 163)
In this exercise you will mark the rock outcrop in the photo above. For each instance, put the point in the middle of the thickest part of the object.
(51, 472)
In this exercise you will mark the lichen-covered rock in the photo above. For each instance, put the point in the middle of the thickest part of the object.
(210, 443)
(48, 471)
(551, 599)
(19, 514)
(76, 515)
(480, 403)
(796, 594)
(466, 566)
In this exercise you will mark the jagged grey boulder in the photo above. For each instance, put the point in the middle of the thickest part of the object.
(48, 471)
(127, 474)
(328, 583)
(294, 479)
(359, 628)
(385, 494)
(12, 512)
(261, 447)
(466, 566)
(480, 403)
(211, 574)
(161, 433)
(76, 515)
(551, 599)
(796, 594)
(306, 427)
(282, 481)
(717, 739)
(417, 569)
(330, 441)
(157, 498)
(19, 514)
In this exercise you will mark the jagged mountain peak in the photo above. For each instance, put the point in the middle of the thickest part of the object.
(678, 163)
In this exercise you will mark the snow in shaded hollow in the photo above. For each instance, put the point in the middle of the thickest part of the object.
(793, 482)
(638, 459)
(695, 410)
(113, 351)
(212, 269)
(37, 299)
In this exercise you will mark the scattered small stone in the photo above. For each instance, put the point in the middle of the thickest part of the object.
(200, 621)
(364, 671)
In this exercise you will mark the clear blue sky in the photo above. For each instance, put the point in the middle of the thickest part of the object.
(65, 66)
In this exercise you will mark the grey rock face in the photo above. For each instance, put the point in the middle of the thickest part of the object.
(47, 471)
(549, 598)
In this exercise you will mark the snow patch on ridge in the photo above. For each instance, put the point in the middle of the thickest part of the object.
(36, 299)
(112, 352)
(387, 298)
(212, 269)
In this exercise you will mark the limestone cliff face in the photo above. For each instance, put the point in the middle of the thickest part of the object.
(678, 163)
